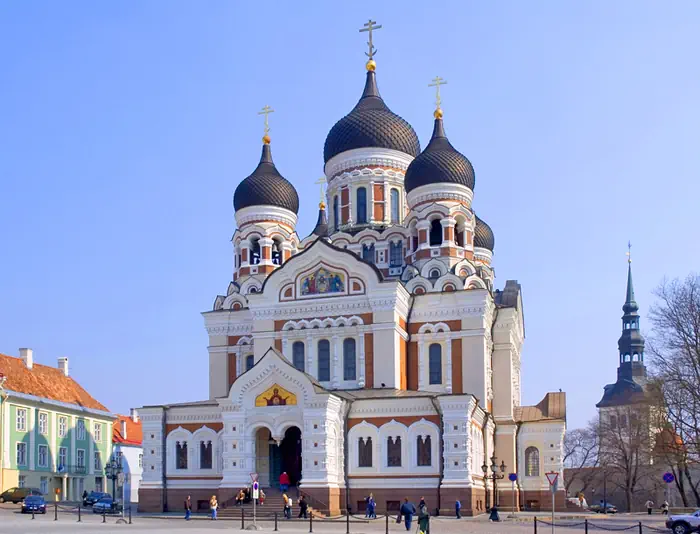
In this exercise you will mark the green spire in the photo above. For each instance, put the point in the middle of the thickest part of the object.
(630, 304)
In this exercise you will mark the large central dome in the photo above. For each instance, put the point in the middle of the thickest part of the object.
(371, 124)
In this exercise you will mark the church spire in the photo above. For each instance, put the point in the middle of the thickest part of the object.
(630, 305)
(631, 342)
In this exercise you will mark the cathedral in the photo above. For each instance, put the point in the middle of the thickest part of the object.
(375, 355)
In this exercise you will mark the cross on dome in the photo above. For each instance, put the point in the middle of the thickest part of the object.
(266, 111)
(369, 27)
(437, 82)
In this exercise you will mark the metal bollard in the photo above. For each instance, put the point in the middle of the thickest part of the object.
(32, 514)
(311, 522)
(387, 524)
(640, 527)
(130, 514)
(55, 511)
(242, 518)
(585, 525)
(347, 522)
(535, 522)
(275, 521)
(79, 519)
(104, 519)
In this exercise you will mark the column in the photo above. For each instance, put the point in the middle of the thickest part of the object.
(285, 343)
(89, 461)
(336, 368)
(64, 487)
(350, 217)
(448, 358)
(361, 359)
(448, 230)
(423, 228)
(370, 202)
(31, 421)
(239, 367)
(310, 356)
(388, 206)
(421, 363)
(245, 253)
(265, 250)
(286, 251)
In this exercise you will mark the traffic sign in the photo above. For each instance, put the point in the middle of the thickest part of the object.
(552, 477)
(256, 490)
(669, 478)
(513, 477)
(254, 477)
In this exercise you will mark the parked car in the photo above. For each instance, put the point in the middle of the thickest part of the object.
(682, 524)
(599, 509)
(107, 505)
(93, 497)
(34, 503)
(15, 495)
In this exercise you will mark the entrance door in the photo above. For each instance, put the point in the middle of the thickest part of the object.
(290, 453)
(275, 465)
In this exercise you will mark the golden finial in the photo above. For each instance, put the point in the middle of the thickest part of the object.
(266, 111)
(437, 82)
(369, 27)
(629, 252)
(322, 180)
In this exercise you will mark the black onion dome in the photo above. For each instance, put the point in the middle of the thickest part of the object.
(266, 186)
(483, 235)
(440, 162)
(371, 124)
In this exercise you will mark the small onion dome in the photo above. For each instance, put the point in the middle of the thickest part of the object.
(371, 124)
(439, 163)
(266, 187)
(483, 235)
(321, 228)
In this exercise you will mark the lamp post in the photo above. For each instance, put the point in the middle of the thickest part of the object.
(112, 470)
(494, 476)
(3, 399)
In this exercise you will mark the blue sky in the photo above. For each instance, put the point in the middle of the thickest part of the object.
(127, 126)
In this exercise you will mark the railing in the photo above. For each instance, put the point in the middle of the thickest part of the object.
(72, 469)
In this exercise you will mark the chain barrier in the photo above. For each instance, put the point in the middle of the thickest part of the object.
(589, 525)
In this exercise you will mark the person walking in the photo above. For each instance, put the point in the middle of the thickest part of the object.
(371, 507)
(188, 508)
(664, 508)
(284, 482)
(423, 519)
(458, 509)
(407, 510)
(261, 499)
(493, 516)
(286, 506)
(213, 506)
(303, 507)
(650, 505)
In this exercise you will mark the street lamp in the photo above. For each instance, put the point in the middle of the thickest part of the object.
(494, 476)
(112, 471)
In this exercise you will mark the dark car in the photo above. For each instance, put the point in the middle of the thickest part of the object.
(15, 495)
(34, 503)
(107, 505)
(93, 497)
(599, 509)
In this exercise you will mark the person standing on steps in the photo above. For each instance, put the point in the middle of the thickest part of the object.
(458, 509)
(284, 482)
(188, 508)
(303, 507)
(286, 506)
(213, 506)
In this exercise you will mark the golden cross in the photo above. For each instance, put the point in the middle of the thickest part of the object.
(369, 26)
(266, 111)
(629, 252)
(437, 82)
(322, 180)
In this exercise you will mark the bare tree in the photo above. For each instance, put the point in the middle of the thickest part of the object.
(581, 452)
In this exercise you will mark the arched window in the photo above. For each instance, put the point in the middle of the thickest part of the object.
(623, 421)
(277, 252)
(364, 451)
(324, 360)
(181, 455)
(249, 362)
(298, 355)
(435, 233)
(349, 361)
(254, 251)
(613, 422)
(361, 205)
(635, 357)
(393, 451)
(368, 253)
(424, 451)
(396, 254)
(532, 462)
(627, 357)
(459, 236)
(435, 363)
(205, 455)
(395, 206)
(336, 213)
(434, 274)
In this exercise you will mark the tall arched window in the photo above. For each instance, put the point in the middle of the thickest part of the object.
(435, 233)
(396, 254)
(361, 205)
(277, 252)
(424, 451)
(364, 450)
(249, 362)
(532, 462)
(393, 451)
(349, 360)
(298, 355)
(459, 236)
(394, 206)
(336, 213)
(205, 455)
(324, 360)
(254, 251)
(435, 363)
(181, 455)
(368, 253)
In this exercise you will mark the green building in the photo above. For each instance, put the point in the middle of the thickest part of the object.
(54, 436)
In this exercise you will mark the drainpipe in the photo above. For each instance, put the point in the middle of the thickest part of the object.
(3, 452)
(517, 470)
(346, 456)
(436, 405)
(486, 448)
(164, 499)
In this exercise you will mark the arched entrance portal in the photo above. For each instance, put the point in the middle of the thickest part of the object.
(272, 458)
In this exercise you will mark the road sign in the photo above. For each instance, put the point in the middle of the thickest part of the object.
(669, 478)
(256, 490)
(552, 477)
(254, 477)
(513, 477)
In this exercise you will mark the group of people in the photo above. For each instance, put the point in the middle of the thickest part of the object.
(245, 495)
(370, 507)
(408, 510)
(650, 506)
(213, 507)
(287, 507)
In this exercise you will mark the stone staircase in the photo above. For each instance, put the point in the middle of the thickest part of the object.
(273, 503)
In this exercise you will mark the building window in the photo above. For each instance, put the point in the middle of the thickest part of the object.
(435, 363)
(43, 459)
(62, 458)
(140, 460)
(424, 451)
(613, 422)
(97, 432)
(80, 458)
(349, 360)
(324, 360)
(249, 362)
(81, 429)
(181, 455)
(21, 423)
(368, 253)
(44, 485)
(361, 205)
(97, 461)
(623, 421)
(396, 254)
(393, 451)
(395, 206)
(22, 481)
(254, 251)
(532, 462)
(276, 253)
(459, 236)
(336, 213)
(435, 233)
(21, 453)
(205, 454)
(43, 423)
(364, 451)
(119, 457)
(62, 427)
(298, 355)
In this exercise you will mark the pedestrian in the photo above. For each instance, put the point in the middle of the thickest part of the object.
(423, 519)
(188, 508)
(85, 496)
(458, 509)
(581, 500)
(367, 507)
(303, 507)
(372, 507)
(286, 506)
(261, 498)
(213, 505)
(664, 508)
(407, 510)
(650, 505)
(421, 502)
(284, 482)
(240, 497)
(493, 516)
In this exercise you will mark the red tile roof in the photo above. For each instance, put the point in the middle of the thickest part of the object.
(134, 434)
(45, 381)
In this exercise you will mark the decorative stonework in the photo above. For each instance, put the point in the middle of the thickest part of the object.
(276, 396)
(321, 282)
